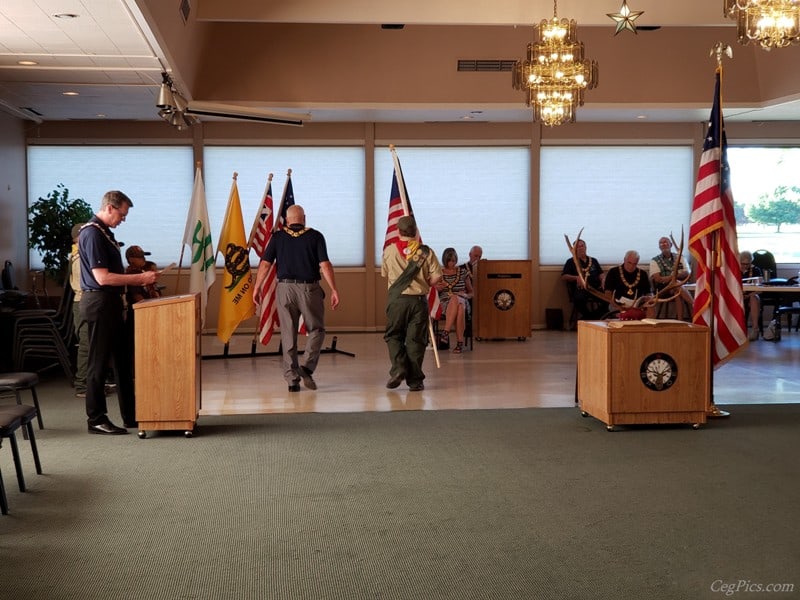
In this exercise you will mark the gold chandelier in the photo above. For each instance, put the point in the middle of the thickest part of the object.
(555, 73)
(769, 23)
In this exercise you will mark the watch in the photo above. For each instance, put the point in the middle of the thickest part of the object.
(658, 371)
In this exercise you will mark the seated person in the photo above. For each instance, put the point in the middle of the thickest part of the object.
(137, 263)
(475, 254)
(587, 305)
(628, 283)
(752, 301)
(661, 267)
(455, 290)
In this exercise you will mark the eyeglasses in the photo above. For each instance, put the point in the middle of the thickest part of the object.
(119, 210)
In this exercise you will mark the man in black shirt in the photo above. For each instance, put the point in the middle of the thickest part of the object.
(103, 282)
(300, 255)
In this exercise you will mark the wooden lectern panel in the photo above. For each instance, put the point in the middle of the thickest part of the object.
(638, 372)
(167, 353)
(502, 299)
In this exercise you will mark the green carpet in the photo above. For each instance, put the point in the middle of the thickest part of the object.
(534, 503)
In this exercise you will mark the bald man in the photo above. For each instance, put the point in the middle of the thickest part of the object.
(301, 258)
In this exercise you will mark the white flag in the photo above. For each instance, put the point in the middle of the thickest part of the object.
(198, 237)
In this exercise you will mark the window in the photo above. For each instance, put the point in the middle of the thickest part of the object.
(328, 182)
(623, 197)
(461, 197)
(158, 179)
(767, 174)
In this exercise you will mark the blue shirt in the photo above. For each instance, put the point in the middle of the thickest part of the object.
(297, 257)
(98, 249)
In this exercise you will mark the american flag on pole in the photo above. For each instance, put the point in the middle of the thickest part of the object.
(260, 235)
(718, 301)
(400, 206)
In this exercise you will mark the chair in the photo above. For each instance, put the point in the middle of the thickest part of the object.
(16, 382)
(765, 260)
(12, 418)
(45, 334)
(594, 308)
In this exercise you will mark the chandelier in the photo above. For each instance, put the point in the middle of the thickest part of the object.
(769, 23)
(555, 73)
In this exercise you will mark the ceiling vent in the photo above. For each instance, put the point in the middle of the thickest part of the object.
(485, 65)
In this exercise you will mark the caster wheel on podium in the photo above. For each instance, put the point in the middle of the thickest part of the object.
(188, 434)
(142, 435)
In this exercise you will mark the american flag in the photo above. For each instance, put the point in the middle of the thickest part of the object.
(400, 206)
(718, 301)
(259, 238)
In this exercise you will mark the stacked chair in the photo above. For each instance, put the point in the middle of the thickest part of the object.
(45, 335)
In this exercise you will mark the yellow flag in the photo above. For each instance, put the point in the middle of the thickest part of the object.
(236, 296)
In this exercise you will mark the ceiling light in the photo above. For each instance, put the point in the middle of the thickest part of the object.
(66, 16)
(555, 74)
(165, 99)
(27, 63)
(70, 93)
(768, 23)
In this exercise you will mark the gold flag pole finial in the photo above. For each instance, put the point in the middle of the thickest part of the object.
(718, 50)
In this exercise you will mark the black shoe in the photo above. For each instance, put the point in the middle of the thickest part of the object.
(294, 387)
(394, 382)
(106, 428)
(308, 380)
(417, 387)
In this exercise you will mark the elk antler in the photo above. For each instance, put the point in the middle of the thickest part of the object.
(674, 286)
(607, 296)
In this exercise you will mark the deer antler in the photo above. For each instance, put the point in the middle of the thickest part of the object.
(607, 297)
(673, 287)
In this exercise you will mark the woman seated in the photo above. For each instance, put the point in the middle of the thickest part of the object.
(455, 290)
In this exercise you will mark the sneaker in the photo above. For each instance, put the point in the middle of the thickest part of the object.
(308, 380)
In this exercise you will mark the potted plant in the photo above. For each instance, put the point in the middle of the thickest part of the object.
(49, 228)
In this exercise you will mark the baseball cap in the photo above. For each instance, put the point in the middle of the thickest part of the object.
(135, 252)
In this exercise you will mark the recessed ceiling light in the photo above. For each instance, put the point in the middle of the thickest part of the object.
(27, 63)
(641, 116)
(66, 16)
(70, 93)
(100, 116)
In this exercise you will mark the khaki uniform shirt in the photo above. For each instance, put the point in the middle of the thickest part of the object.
(394, 263)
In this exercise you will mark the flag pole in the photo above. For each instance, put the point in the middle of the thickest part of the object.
(713, 410)
(401, 184)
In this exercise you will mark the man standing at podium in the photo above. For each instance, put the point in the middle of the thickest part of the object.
(411, 269)
(103, 282)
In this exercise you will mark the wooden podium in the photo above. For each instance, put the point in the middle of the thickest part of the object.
(167, 354)
(502, 302)
(643, 372)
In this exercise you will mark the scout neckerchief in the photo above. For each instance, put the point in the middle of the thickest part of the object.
(415, 253)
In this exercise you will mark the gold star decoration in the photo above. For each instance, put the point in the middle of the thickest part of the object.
(625, 18)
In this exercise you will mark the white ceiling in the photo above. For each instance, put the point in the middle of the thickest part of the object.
(110, 58)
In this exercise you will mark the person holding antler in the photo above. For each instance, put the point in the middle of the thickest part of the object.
(591, 273)
(662, 268)
(629, 284)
